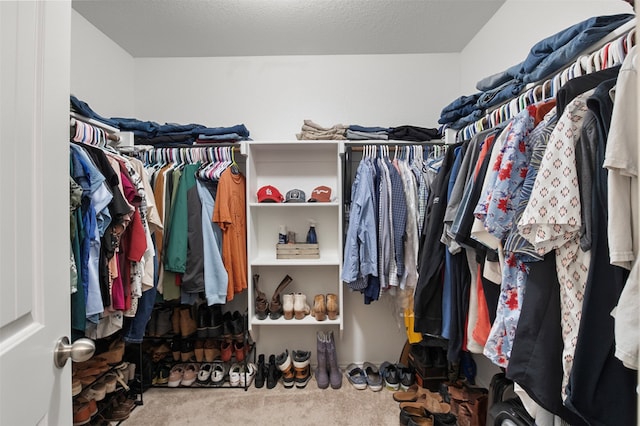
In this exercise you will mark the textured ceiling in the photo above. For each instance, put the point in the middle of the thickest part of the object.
(197, 28)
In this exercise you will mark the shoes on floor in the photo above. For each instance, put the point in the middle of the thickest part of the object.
(247, 374)
(356, 376)
(285, 365)
(261, 372)
(302, 368)
(389, 373)
(373, 377)
(204, 374)
(273, 373)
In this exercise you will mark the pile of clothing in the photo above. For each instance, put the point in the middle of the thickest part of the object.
(355, 132)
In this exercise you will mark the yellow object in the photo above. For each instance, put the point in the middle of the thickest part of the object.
(412, 336)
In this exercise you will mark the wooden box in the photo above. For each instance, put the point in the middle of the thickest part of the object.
(297, 251)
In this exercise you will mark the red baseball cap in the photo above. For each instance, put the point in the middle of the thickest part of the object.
(321, 194)
(269, 194)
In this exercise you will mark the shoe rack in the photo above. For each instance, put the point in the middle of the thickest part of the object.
(315, 273)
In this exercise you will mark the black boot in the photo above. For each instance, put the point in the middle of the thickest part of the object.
(261, 373)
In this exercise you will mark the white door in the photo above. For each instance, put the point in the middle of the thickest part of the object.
(34, 211)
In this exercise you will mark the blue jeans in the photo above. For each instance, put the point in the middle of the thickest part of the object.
(84, 109)
(461, 102)
(238, 128)
(451, 116)
(500, 95)
(357, 128)
(551, 54)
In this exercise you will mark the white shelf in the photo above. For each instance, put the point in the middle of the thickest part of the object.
(308, 320)
(270, 261)
(290, 165)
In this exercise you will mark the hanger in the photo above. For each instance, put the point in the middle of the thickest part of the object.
(234, 166)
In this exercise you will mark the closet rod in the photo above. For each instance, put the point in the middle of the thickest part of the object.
(93, 122)
(357, 146)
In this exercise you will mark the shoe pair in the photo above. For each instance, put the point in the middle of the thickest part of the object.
(366, 376)
(296, 369)
(212, 373)
(182, 374)
(241, 375)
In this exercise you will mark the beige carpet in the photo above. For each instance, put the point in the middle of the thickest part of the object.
(279, 406)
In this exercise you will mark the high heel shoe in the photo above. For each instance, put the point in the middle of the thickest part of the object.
(332, 306)
(262, 304)
(275, 307)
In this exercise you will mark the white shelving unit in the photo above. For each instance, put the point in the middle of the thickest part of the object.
(302, 165)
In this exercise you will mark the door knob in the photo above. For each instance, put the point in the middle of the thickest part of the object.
(80, 350)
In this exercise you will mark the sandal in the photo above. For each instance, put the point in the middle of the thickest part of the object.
(413, 393)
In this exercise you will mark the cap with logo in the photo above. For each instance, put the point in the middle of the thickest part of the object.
(269, 194)
(295, 196)
(321, 194)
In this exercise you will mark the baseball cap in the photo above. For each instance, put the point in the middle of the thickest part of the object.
(295, 196)
(321, 194)
(269, 194)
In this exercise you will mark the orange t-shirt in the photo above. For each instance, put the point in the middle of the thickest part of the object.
(229, 213)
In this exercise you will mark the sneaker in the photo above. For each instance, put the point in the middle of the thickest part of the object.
(407, 376)
(247, 373)
(373, 377)
(389, 373)
(218, 373)
(204, 374)
(175, 376)
(234, 374)
(190, 374)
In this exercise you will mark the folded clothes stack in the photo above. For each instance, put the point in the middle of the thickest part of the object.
(168, 134)
(313, 131)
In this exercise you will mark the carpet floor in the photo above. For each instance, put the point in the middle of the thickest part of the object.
(278, 406)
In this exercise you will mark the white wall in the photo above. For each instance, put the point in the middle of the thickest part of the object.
(102, 73)
(273, 95)
(519, 24)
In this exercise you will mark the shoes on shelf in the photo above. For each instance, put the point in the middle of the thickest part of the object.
(188, 325)
(234, 374)
(204, 374)
(287, 306)
(237, 326)
(247, 374)
(214, 329)
(198, 350)
(332, 306)
(416, 416)
(239, 351)
(161, 377)
(300, 306)
(175, 376)
(218, 373)
(204, 321)
(226, 351)
(373, 377)
(285, 365)
(275, 307)
(176, 347)
(211, 352)
(190, 374)
(262, 304)
(302, 368)
(81, 413)
(319, 311)
(187, 352)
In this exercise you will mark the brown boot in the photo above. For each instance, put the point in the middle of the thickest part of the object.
(332, 306)
(188, 325)
(275, 307)
(319, 307)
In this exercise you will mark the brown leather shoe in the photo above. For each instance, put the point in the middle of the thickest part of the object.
(81, 414)
(262, 304)
(332, 306)
(275, 307)
(319, 308)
